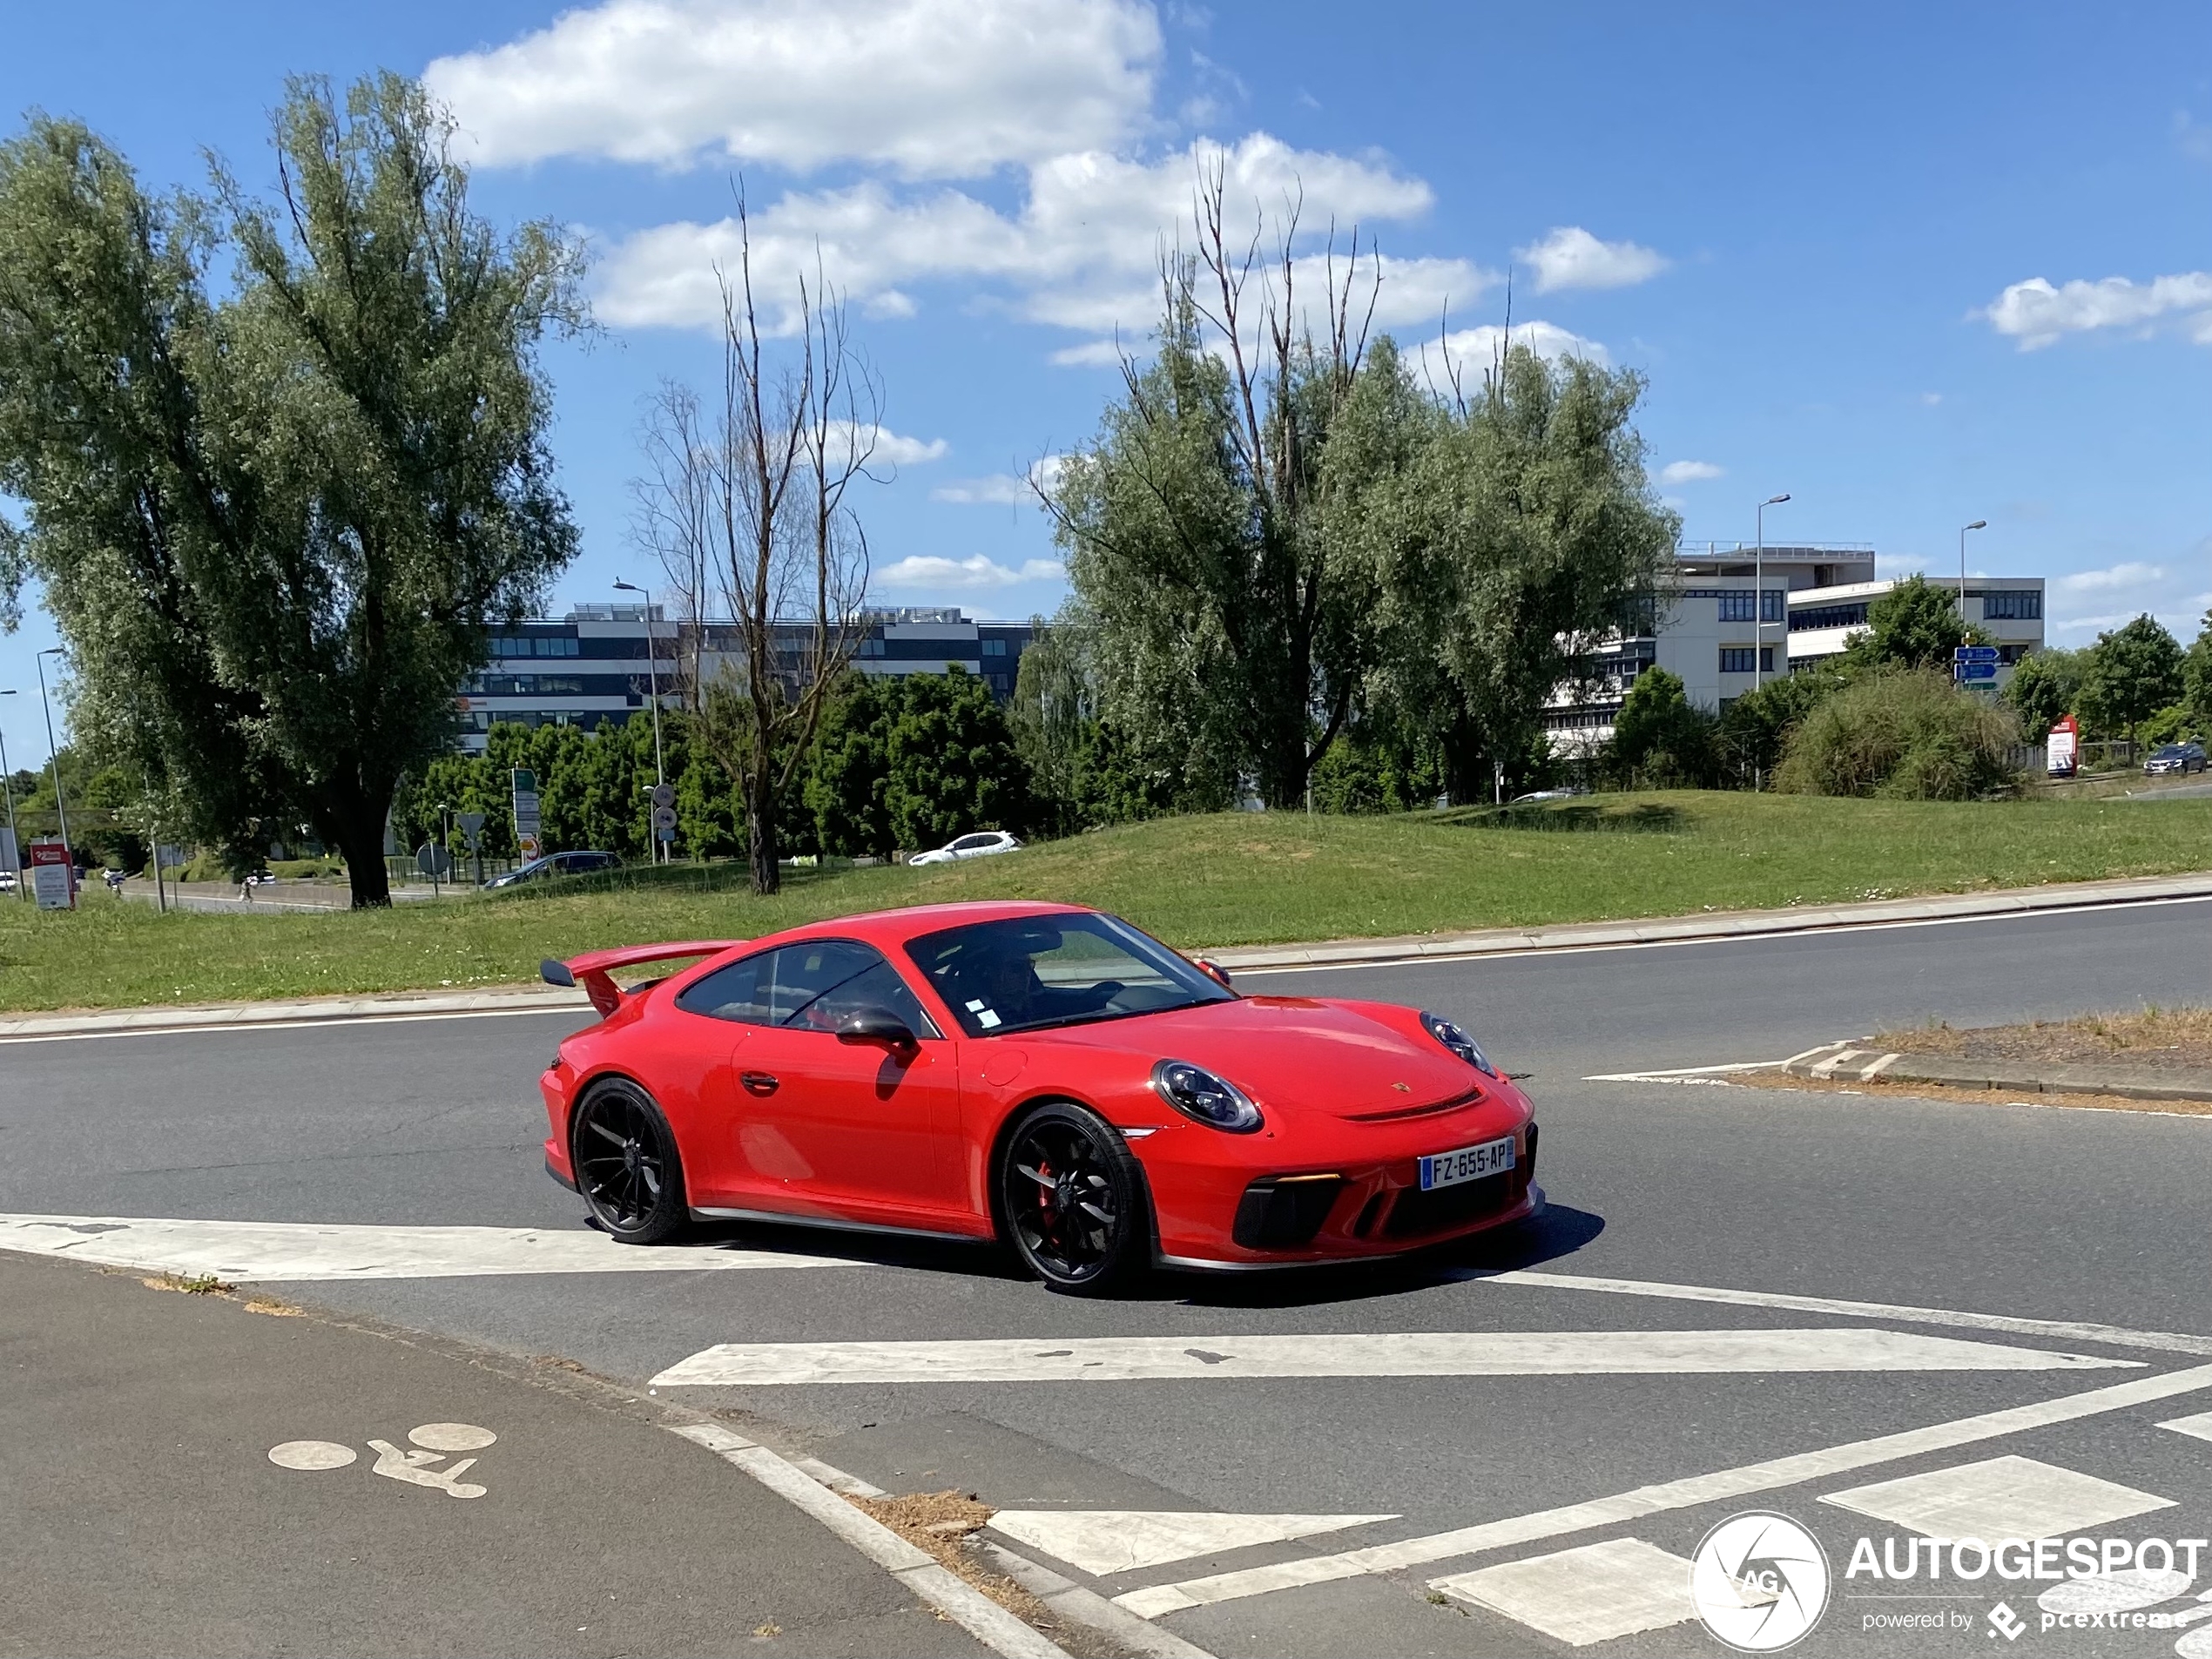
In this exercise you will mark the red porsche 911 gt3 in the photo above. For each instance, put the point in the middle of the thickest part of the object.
(1043, 1075)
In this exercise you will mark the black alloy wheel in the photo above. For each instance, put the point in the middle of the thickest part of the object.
(1073, 1201)
(626, 1165)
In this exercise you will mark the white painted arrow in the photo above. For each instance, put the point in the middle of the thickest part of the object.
(1102, 1541)
(1426, 1353)
(276, 1250)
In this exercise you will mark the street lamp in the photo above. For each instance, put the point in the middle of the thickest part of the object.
(53, 755)
(652, 667)
(1758, 584)
(7, 789)
(1978, 524)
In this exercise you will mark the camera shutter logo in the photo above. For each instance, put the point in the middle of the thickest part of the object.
(1759, 1582)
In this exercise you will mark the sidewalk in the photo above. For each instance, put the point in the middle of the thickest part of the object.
(1343, 952)
(147, 1514)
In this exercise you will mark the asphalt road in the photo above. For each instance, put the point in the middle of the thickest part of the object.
(1985, 1209)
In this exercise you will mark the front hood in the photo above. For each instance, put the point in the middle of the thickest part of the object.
(1301, 1053)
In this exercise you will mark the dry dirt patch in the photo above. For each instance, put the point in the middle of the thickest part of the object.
(1903, 1087)
(2170, 1038)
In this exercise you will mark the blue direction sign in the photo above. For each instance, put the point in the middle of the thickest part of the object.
(1974, 654)
(1967, 671)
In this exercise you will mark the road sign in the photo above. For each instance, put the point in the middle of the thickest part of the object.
(664, 795)
(527, 843)
(472, 827)
(170, 857)
(1967, 672)
(528, 826)
(1974, 654)
(2062, 749)
(665, 822)
(53, 878)
(433, 859)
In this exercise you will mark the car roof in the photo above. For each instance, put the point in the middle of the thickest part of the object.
(885, 928)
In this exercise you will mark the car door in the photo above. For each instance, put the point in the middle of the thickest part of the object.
(818, 1126)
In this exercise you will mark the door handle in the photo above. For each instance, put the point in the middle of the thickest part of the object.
(757, 1082)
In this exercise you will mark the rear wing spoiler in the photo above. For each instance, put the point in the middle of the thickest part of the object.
(594, 969)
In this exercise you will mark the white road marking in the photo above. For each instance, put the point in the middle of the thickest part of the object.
(236, 1027)
(1773, 1476)
(412, 1467)
(1105, 1541)
(312, 1455)
(2120, 1592)
(1684, 1074)
(2052, 1330)
(1578, 1597)
(282, 1251)
(451, 1437)
(1421, 1353)
(1999, 1497)
(2199, 1425)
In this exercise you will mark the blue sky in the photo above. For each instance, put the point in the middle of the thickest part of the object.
(1914, 264)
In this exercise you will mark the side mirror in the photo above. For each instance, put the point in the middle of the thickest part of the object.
(876, 1025)
(1216, 972)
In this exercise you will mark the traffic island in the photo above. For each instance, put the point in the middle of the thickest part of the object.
(2157, 1059)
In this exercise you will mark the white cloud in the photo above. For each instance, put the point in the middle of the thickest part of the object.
(1929, 400)
(1689, 472)
(922, 571)
(1571, 258)
(1003, 489)
(897, 450)
(2038, 315)
(1471, 351)
(2116, 578)
(926, 88)
(1082, 253)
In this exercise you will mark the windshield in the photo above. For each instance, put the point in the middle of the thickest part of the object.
(1033, 971)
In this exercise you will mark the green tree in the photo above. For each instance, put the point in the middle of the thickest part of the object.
(2133, 673)
(1915, 624)
(911, 761)
(1755, 728)
(2045, 687)
(1660, 738)
(2196, 674)
(274, 526)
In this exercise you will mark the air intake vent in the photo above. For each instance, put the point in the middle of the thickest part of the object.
(1283, 1212)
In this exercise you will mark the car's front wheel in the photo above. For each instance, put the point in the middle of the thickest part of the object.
(1073, 1201)
(626, 1165)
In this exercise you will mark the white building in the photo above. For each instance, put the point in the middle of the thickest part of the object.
(1736, 617)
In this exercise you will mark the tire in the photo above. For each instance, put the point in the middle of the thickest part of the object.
(1072, 1202)
(626, 1165)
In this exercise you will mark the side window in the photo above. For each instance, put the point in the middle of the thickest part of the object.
(740, 992)
(875, 986)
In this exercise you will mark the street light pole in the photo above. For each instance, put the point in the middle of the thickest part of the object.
(7, 788)
(1758, 593)
(652, 668)
(53, 755)
(1978, 524)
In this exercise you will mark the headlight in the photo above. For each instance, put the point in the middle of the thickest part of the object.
(1459, 1044)
(1197, 1094)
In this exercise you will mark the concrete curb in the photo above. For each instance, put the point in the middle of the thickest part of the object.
(1347, 952)
(1856, 1062)
(1508, 942)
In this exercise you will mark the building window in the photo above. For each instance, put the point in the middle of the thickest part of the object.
(1771, 602)
(2013, 604)
(872, 646)
(1847, 616)
(1735, 607)
(995, 648)
(1736, 659)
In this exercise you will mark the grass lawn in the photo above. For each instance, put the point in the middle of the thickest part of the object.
(1229, 879)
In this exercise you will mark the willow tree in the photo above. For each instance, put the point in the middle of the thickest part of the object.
(274, 518)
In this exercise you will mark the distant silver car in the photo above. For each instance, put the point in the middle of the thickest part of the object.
(981, 845)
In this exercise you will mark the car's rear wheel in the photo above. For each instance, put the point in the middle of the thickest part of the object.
(1073, 1201)
(626, 1165)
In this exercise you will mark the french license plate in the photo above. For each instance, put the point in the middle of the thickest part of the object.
(1468, 1163)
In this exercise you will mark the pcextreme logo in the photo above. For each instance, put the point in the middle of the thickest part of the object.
(1759, 1582)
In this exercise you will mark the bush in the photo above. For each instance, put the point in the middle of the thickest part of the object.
(1661, 740)
(1909, 734)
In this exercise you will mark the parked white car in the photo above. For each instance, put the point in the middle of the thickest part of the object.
(981, 845)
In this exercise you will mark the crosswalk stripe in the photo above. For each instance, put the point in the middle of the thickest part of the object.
(1105, 1541)
(1595, 1593)
(273, 1250)
(1999, 1497)
(1424, 1354)
(1724, 1484)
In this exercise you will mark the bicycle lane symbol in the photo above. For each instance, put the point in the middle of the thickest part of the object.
(432, 1443)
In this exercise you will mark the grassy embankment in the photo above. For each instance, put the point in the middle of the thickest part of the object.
(1232, 880)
